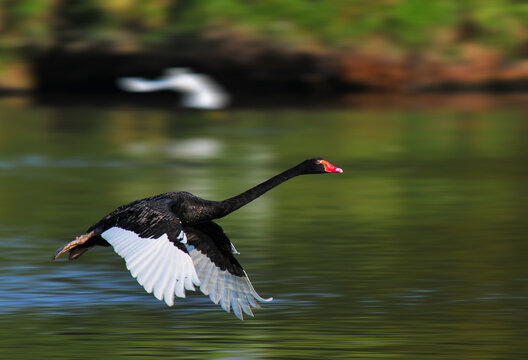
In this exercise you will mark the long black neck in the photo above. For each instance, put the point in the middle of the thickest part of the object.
(226, 207)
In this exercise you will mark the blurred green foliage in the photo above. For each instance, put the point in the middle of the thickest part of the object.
(405, 24)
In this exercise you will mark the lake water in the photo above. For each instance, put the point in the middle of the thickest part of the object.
(417, 251)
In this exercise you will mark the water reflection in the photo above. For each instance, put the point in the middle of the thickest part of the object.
(417, 251)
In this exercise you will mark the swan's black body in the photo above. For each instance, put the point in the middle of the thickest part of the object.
(170, 242)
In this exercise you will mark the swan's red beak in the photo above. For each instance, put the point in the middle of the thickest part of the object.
(329, 168)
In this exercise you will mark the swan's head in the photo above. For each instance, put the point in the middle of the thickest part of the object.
(319, 166)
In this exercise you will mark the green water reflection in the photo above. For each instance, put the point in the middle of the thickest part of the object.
(416, 252)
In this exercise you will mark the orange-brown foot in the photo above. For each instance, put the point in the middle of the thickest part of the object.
(75, 253)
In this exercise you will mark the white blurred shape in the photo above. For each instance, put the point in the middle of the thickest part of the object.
(199, 90)
(199, 148)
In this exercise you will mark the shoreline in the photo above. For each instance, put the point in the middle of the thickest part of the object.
(264, 69)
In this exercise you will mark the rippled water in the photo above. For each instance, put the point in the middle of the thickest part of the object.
(417, 251)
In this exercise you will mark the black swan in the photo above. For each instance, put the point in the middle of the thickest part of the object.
(170, 243)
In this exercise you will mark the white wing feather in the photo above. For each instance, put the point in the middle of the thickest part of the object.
(224, 288)
(157, 264)
(164, 269)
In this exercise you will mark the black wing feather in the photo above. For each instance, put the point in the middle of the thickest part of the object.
(146, 218)
(210, 240)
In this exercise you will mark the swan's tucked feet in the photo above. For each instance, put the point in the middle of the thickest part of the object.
(75, 253)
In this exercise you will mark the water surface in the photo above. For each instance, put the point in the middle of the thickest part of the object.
(417, 251)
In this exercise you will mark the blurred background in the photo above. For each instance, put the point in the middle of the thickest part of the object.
(418, 250)
(271, 46)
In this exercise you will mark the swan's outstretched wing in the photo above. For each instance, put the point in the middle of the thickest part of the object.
(159, 264)
(152, 241)
(221, 276)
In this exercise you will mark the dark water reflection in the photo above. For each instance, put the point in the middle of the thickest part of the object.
(416, 252)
